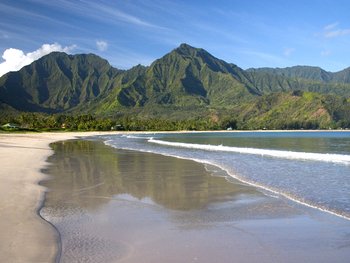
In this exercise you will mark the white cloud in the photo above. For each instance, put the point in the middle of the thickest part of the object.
(101, 45)
(288, 51)
(337, 33)
(15, 59)
(102, 11)
(331, 31)
(331, 26)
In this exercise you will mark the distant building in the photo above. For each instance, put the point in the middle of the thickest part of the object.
(117, 127)
(10, 126)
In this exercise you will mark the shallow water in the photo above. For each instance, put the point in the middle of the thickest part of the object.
(312, 168)
(112, 205)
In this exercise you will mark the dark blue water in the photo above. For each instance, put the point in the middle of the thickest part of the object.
(312, 168)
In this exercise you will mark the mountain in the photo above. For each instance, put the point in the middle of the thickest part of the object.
(185, 77)
(307, 73)
(305, 78)
(187, 83)
(57, 82)
(342, 76)
(298, 72)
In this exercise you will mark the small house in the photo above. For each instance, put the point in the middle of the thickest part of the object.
(117, 127)
(10, 126)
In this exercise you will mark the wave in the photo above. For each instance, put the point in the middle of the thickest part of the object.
(136, 137)
(275, 193)
(270, 191)
(321, 157)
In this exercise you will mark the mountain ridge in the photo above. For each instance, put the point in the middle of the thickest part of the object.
(187, 79)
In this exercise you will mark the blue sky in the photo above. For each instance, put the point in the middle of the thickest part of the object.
(126, 33)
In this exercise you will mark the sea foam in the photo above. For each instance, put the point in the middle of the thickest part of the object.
(321, 157)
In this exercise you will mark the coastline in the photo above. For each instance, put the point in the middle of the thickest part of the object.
(25, 236)
(277, 153)
(115, 205)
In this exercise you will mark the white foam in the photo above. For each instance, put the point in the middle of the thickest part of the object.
(137, 137)
(321, 157)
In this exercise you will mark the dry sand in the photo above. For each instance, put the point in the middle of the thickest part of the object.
(25, 237)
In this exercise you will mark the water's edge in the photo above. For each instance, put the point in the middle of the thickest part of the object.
(58, 234)
(253, 184)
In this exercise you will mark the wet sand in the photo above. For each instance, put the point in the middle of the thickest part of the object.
(114, 205)
(25, 237)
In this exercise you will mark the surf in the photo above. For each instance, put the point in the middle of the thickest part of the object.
(306, 156)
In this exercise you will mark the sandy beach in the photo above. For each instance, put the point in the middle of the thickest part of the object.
(112, 205)
(25, 237)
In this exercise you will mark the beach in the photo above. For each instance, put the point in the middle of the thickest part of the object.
(25, 237)
(114, 205)
(103, 204)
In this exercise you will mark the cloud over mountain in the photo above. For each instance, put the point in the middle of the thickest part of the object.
(101, 45)
(15, 59)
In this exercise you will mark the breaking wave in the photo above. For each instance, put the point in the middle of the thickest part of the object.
(321, 157)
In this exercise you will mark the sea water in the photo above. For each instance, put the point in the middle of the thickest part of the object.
(311, 168)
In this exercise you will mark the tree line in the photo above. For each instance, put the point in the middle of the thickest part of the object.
(88, 122)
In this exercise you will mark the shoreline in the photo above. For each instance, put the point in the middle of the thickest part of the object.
(257, 185)
(26, 236)
(58, 240)
(23, 156)
(146, 212)
(235, 131)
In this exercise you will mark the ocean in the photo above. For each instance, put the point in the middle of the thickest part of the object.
(311, 168)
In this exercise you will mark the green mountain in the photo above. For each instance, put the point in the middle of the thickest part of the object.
(185, 77)
(57, 82)
(297, 72)
(305, 78)
(186, 83)
(308, 73)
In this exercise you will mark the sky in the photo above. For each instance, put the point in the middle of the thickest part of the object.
(248, 33)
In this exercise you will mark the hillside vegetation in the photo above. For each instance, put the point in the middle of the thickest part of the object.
(187, 85)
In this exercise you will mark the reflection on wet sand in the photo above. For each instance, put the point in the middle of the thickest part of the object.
(112, 205)
(88, 173)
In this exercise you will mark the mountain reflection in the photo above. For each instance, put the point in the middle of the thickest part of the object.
(88, 174)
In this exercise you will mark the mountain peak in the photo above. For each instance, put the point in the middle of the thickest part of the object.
(187, 50)
(186, 46)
